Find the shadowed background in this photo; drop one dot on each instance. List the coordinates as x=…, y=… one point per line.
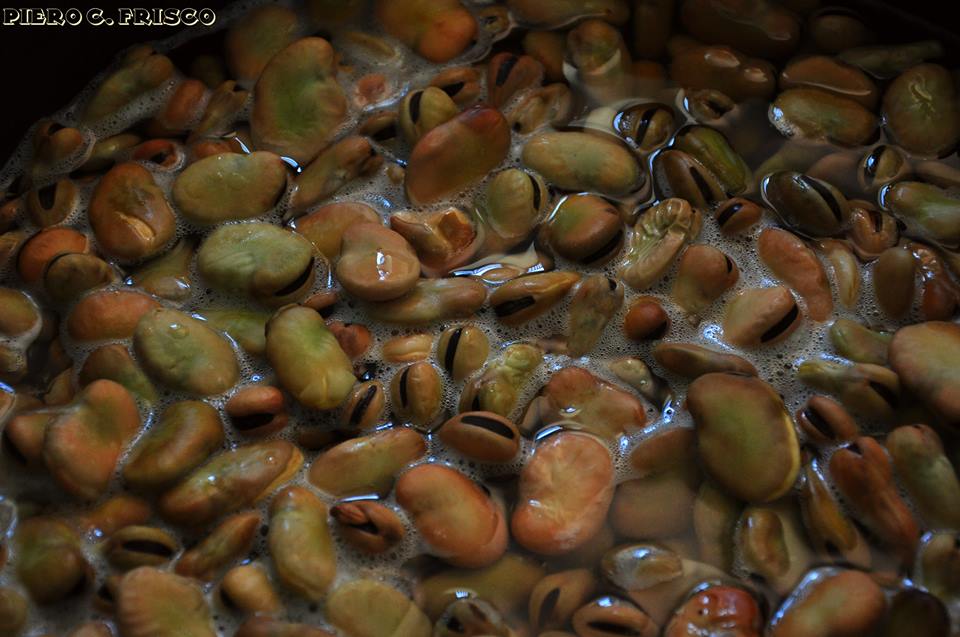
x=45, y=66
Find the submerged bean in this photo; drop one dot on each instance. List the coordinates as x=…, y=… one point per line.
x=583, y=401
x=229, y=187
x=593, y=305
x=369, y=608
x=498, y=387
x=871, y=391
x=658, y=503
x=50, y=562
x=705, y=274
x=760, y=316
x=229, y=540
x=923, y=356
x=184, y=353
x=271, y=264
x=919, y=460
x=921, y=112
x=658, y=236
x=129, y=214
x=462, y=350
x=432, y=300
x=844, y=604
x=185, y=434
x=154, y=603
x=368, y=525
x=82, y=446
x=438, y=31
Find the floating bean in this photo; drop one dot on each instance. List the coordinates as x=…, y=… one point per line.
x=368, y=464
x=657, y=238
x=297, y=102
x=230, y=481
x=300, y=545
x=308, y=360
x=564, y=493
x=456, y=154
x=593, y=305
x=459, y=521
x=368, y=525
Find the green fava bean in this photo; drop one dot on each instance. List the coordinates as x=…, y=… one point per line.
x=928, y=210
x=185, y=435
x=814, y=114
x=142, y=72
x=300, y=543
x=921, y=111
x=368, y=608
x=308, y=359
x=246, y=327
x=712, y=149
x=297, y=103
x=583, y=161
x=154, y=603
x=925, y=356
x=230, y=481
x=184, y=353
x=272, y=264
x=229, y=186
x=919, y=460
x=743, y=417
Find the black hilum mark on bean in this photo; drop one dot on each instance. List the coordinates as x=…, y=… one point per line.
x=885, y=393
x=643, y=125
x=361, y=407
x=612, y=628
x=547, y=605
x=701, y=183
x=47, y=196
x=452, y=89
x=781, y=326
x=251, y=421
x=512, y=307
x=536, y=192
x=403, y=387
x=296, y=284
x=451, y=352
x=415, y=105
x=490, y=424
x=826, y=195
x=818, y=421
x=366, y=527
x=605, y=249
x=149, y=547
x=504, y=71
x=728, y=212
